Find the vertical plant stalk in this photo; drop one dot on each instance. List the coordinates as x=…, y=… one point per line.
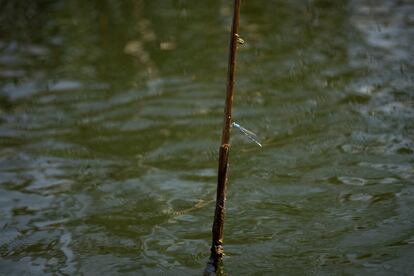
x=218, y=224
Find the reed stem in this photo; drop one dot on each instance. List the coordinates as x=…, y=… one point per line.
x=218, y=224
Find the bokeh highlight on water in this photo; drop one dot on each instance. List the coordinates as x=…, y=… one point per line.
x=110, y=119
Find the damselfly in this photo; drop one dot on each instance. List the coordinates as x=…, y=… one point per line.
x=251, y=135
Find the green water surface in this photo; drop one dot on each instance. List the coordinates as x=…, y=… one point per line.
x=110, y=123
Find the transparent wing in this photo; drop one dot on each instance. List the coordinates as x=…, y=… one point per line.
x=251, y=135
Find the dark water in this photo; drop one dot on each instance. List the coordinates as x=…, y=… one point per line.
x=110, y=121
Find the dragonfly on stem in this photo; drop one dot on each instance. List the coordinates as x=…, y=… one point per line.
x=251, y=135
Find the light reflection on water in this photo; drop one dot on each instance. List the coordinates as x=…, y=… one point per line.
x=110, y=124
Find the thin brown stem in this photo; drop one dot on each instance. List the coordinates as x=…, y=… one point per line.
x=218, y=224
x=225, y=138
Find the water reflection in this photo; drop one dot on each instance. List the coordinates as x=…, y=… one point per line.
x=110, y=119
